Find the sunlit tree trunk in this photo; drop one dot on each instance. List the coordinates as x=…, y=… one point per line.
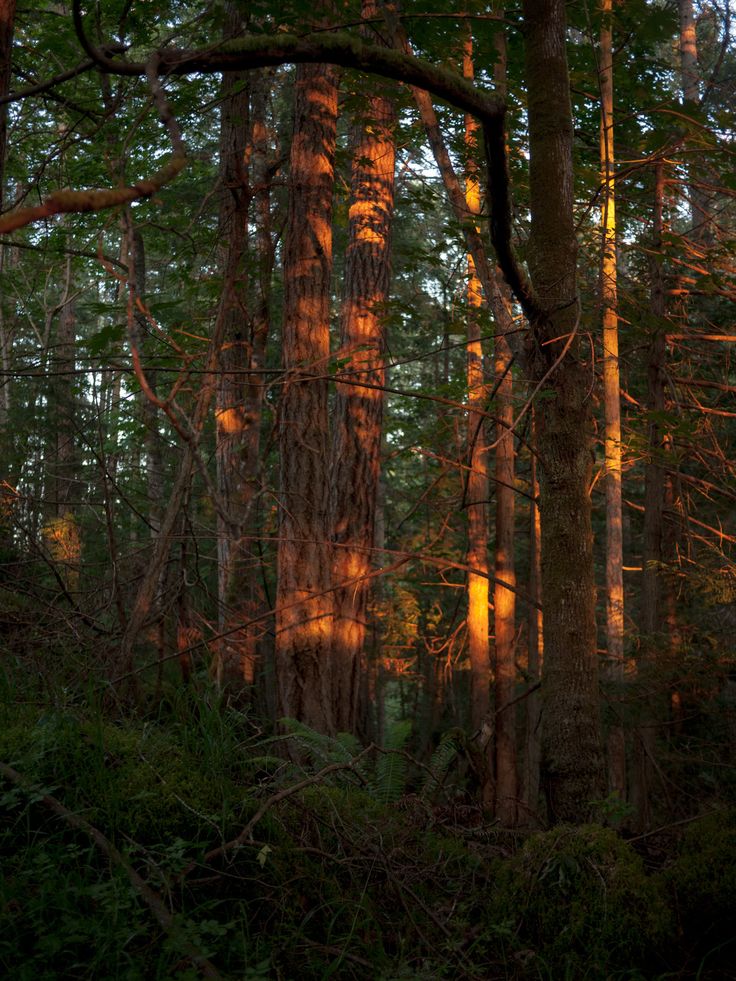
x=612, y=412
x=504, y=599
x=358, y=410
x=477, y=481
x=304, y=602
x=573, y=761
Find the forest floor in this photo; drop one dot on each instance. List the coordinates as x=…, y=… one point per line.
x=179, y=841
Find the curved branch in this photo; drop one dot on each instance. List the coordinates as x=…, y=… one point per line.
x=77, y=202
x=50, y=83
x=347, y=51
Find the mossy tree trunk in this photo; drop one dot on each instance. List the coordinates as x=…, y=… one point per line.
x=573, y=770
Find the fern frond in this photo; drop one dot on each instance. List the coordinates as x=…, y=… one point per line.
x=449, y=748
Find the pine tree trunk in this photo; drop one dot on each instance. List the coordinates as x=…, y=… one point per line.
x=612, y=412
x=573, y=763
x=504, y=600
x=358, y=410
x=240, y=394
x=477, y=493
x=535, y=648
x=304, y=602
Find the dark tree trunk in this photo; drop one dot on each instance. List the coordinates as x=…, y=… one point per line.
x=573, y=761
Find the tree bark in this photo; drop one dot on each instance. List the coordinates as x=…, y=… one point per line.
x=304, y=602
x=477, y=489
x=359, y=411
x=612, y=412
x=504, y=600
x=240, y=394
x=573, y=764
x=535, y=647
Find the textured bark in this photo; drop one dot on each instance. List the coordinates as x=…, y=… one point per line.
x=612, y=411
x=359, y=411
x=504, y=600
x=573, y=764
x=477, y=490
x=304, y=603
x=243, y=169
x=658, y=623
x=535, y=656
x=230, y=422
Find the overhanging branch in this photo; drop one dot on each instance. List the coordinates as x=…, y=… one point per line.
x=344, y=50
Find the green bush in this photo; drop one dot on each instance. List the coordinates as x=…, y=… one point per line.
x=701, y=881
x=579, y=904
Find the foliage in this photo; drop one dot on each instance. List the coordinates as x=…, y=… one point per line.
x=581, y=904
x=702, y=884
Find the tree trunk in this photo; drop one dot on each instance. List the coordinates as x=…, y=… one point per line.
x=573, y=763
x=476, y=493
x=612, y=413
x=359, y=411
x=535, y=647
x=700, y=216
x=240, y=394
x=504, y=600
x=304, y=603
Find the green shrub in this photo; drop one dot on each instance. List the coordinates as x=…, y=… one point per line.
x=579, y=905
x=702, y=884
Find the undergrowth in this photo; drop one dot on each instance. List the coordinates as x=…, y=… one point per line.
x=354, y=863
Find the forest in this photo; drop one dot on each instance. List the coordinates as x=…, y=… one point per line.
x=367, y=489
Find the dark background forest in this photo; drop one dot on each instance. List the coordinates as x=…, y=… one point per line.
x=367, y=482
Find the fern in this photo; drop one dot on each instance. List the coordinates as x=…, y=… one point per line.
x=391, y=766
x=449, y=748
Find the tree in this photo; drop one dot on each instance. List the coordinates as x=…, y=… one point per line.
x=313, y=480
x=359, y=409
x=304, y=601
x=612, y=406
x=572, y=757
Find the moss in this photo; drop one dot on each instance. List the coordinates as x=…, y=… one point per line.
x=579, y=904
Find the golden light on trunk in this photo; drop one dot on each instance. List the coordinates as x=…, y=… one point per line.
x=359, y=410
x=504, y=600
x=476, y=492
x=303, y=598
x=612, y=407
